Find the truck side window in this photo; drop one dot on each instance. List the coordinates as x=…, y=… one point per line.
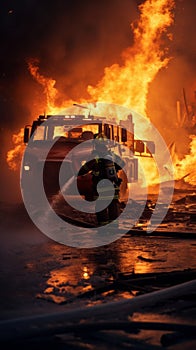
x=39, y=133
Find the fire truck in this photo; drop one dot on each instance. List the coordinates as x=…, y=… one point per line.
x=60, y=134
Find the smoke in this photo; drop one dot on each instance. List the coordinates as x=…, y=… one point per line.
x=73, y=41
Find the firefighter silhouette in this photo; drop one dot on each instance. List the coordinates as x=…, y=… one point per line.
x=104, y=168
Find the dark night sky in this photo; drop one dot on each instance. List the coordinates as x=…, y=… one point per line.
x=74, y=40
x=66, y=36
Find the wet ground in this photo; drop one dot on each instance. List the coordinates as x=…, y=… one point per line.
x=42, y=277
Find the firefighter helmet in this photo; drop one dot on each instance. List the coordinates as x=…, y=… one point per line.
x=101, y=137
x=101, y=141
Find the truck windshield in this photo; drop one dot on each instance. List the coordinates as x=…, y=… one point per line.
x=51, y=132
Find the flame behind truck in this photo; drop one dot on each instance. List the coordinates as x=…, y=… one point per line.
x=61, y=134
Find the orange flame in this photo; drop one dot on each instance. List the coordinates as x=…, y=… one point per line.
x=48, y=84
x=49, y=90
x=128, y=84
x=125, y=85
x=52, y=95
x=14, y=155
x=186, y=166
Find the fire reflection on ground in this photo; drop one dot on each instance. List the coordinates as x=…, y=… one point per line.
x=90, y=275
x=67, y=282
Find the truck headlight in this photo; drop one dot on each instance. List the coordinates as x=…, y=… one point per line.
x=26, y=167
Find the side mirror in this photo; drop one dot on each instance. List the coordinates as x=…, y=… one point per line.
x=139, y=146
x=26, y=134
x=123, y=135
